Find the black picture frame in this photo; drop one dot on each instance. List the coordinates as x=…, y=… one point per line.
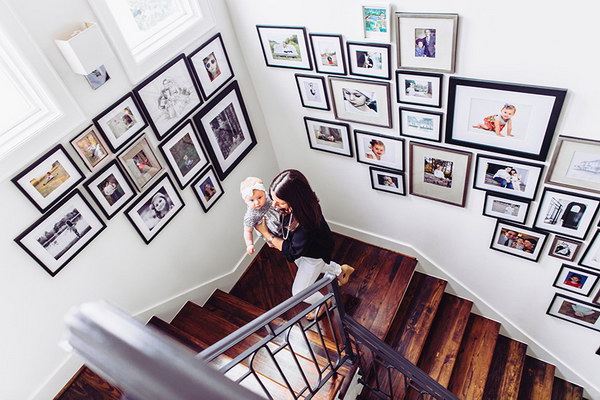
x=286, y=55
x=425, y=92
x=566, y=272
x=486, y=168
x=311, y=100
x=397, y=160
x=121, y=186
x=555, y=309
x=493, y=203
x=361, y=61
x=389, y=185
x=207, y=176
x=522, y=232
x=591, y=256
x=316, y=141
x=325, y=67
x=208, y=83
x=411, y=129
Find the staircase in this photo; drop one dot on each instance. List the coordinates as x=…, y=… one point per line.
x=409, y=310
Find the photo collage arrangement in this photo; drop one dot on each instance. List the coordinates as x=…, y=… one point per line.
x=188, y=116
x=512, y=124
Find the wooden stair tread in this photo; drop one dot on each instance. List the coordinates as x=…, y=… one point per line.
x=537, y=380
x=563, y=390
x=505, y=373
x=87, y=385
x=172, y=331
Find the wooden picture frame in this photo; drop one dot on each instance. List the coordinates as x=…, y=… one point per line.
x=91, y=148
x=564, y=248
x=575, y=164
x=140, y=162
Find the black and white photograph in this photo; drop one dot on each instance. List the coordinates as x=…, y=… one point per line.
x=505, y=207
x=312, y=90
x=369, y=59
x=328, y=53
x=518, y=240
x=210, y=65
x=507, y=176
x=388, y=181
x=328, y=136
x=421, y=124
x=358, y=100
x=110, y=189
x=207, y=189
x=379, y=150
x=121, y=122
x=576, y=164
x=422, y=88
x=564, y=248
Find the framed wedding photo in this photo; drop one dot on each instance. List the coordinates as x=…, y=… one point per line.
x=421, y=124
x=591, y=257
x=379, y=150
x=207, y=189
x=110, y=189
x=312, y=91
x=426, y=41
x=422, y=88
x=370, y=59
x=284, y=46
x=140, y=162
x=121, y=122
x=576, y=164
x=90, y=146
x=506, y=118
x=364, y=101
x=376, y=21
x=328, y=53
x=388, y=181
x=575, y=311
x=509, y=177
x=518, y=240
x=565, y=249
x=576, y=280
x=210, y=66
x=504, y=207
x=328, y=136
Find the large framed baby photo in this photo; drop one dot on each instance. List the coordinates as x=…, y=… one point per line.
x=312, y=91
x=518, y=240
x=576, y=280
x=575, y=311
x=370, y=59
x=422, y=88
x=328, y=52
x=110, y=189
x=379, y=150
x=591, y=257
x=285, y=46
x=121, y=122
x=575, y=164
x=210, y=66
x=507, y=118
x=328, y=136
x=509, y=177
x=364, y=101
x=207, y=189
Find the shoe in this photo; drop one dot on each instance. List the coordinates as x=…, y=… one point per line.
x=311, y=315
x=344, y=277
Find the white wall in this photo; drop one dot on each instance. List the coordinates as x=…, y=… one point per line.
x=511, y=41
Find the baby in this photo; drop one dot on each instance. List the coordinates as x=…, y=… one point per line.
x=497, y=122
x=259, y=206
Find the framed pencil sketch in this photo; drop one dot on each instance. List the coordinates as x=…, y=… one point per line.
x=312, y=91
x=121, y=122
x=207, y=189
x=328, y=53
x=140, y=162
x=563, y=248
x=426, y=41
x=284, y=46
x=567, y=214
x=90, y=146
x=576, y=280
x=506, y=118
x=518, y=240
x=210, y=66
x=62, y=233
x=168, y=96
x=421, y=124
x=422, y=88
x=576, y=164
x=364, y=101
x=370, y=59
x=504, y=207
x=183, y=154
x=439, y=174
x=575, y=311
x=155, y=208
x=328, y=136
x=110, y=189
x=388, y=181
x=225, y=129
x=591, y=257
x=376, y=21
x=506, y=176
x=379, y=150
x=49, y=178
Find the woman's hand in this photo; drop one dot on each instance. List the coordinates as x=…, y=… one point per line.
x=276, y=243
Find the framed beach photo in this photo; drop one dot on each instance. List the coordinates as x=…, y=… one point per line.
x=509, y=177
x=576, y=164
x=422, y=88
x=210, y=66
x=421, y=124
x=370, y=59
x=328, y=53
x=207, y=189
x=376, y=21
x=576, y=280
x=382, y=151
x=121, y=122
x=328, y=136
x=225, y=129
x=591, y=257
x=49, y=178
x=284, y=46
x=388, y=181
x=426, y=41
x=506, y=118
x=439, y=174
x=62, y=233
x=518, y=240
x=575, y=311
x=312, y=91
x=184, y=154
x=364, y=101
x=564, y=248
x=90, y=146
x=140, y=162
x=110, y=189
x=509, y=208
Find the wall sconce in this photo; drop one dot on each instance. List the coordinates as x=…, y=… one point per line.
x=84, y=50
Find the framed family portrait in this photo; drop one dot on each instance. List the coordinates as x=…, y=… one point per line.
x=168, y=96
x=576, y=280
x=328, y=136
x=567, y=214
x=382, y=151
x=364, y=101
x=376, y=21
x=575, y=311
x=421, y=124
x=328, y=53
x=427, y=41
x=210, y=66
x=370, y=59
x=225, y=129
x=388, y=181
x=284, y=46
x=140, y=162
x=564, y=248
x=62, y=233
x=507, y=118
x=518, y=240
x=110, y=189
x=121, y=122
x=312, y=91
x=49, y=178
x=504, y=207
x=207, y=189
x=509, y=177
x=591, y=257
x=90, y=146
x=576, y=164
x=423, y=88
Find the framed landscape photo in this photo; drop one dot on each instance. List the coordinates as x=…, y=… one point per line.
x=312, y=91
x=379, y=150
x=421, y=124
x=140, y=162
x=328, y=53
x=439, y=174
x=518, y=240
x=90, y=146
x=210, y=66
x=506, y=118
x=207, y=189
x=576, y=280
x=564, y=248
x=328, y=136
x=504, y=207
x=510, y=177
x=225, y=129
x=376, y=21
x=388, y=181
x=284, y=46
x=121, y=122
x=591, y=257
x=49, y=178
x=423, y=88
x=576, y=164
x=364, y=101
x=575, y=311
x=59, y=235
x=426, y=41
x=370, y=59
x=110, y=189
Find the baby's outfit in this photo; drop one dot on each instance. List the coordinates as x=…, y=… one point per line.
x=489, y=122
x=272, y=217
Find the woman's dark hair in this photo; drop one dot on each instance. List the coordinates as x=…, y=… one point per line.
x=292, y=187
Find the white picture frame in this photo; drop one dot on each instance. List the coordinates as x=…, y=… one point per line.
x=376, y=21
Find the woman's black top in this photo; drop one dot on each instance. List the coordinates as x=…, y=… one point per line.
x=313, y=243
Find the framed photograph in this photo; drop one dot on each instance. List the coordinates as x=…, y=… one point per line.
x=90, y=146
x=121, y=122
x=168, y=96
x=591, y=257
x=507, y=118
x=140, y=162
x=370, y=59
x=284, y=46
x=356, y=100
x=328, y=52
x=210, y=66
x=312, y=91
x=183, y=154
x=423, y=88
x=504, y=207
x=379, y=150
x=576, y=280
x=49, y=178
x=576, y=164
x=225, y=129
x=59, y=235
x=596, y=301
x=332, y=137
x=565, y=249
x=388, y=181
x=426, y=41
x=575, y=311
x=376, y=21
x=155, y=208
x=420, y=124
x=110, y=189
x=567, y=214
x=439, y=174
x=518, y=240
x=207, y=189
x=510, y=177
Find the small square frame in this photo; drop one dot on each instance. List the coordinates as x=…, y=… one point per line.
x=313, y=91
x=207, y=197
x=140, y=162
x=116, y=192
x=375, y=21
x=564, y=248
x=422, y=88
x=328, y=53
x=587, y=280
